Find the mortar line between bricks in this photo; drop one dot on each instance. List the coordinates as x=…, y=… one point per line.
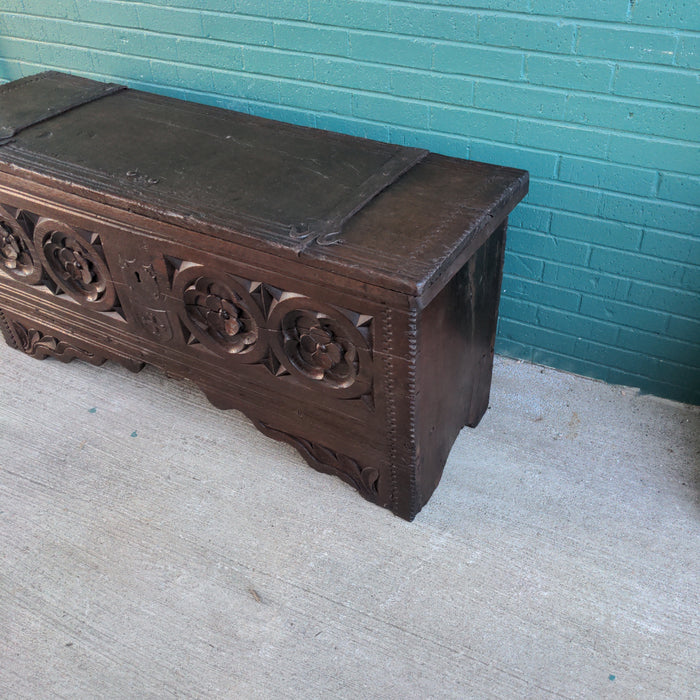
x=597, y=188
x=640, y=242
x=553, y=89
x=546, y=122
x=608, y=141
x=611, y=275
x=612, y=325
x=599, y=344
x=667, y=327
x=602, y=246
x=600, y=129
x=534, y=87
x=352, y=91
x=268, y=47
x=665, y=315
x=599, y=219
x=363, y=32
x=596, y=271
x=534, y=16
x=591, y=159
x=531, y=16
x=675, y=51
x=574, y=39
x=251, y=102
x=633, y=376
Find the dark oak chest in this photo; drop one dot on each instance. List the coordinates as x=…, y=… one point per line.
x=341, y=292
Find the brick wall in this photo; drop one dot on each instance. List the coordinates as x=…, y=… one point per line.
x=599, y=100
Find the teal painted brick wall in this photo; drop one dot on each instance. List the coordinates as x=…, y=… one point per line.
x=598, y=100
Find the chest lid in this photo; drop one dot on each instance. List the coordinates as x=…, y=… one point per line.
x=381, y=213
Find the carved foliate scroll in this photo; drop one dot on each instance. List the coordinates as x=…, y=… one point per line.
x=364, y=479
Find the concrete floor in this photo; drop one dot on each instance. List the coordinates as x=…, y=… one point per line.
x=154, y=547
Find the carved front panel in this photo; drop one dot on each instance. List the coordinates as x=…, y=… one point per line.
x=211, y=311
x=197, y=305
x=222, y=326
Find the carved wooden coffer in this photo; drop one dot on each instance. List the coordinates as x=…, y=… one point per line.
x=343, y=293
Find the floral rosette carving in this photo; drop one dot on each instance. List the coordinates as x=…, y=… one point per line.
x=75, y=264
x=220, y=313
x=319, y=348
x=319, y=343
x=17, y=254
